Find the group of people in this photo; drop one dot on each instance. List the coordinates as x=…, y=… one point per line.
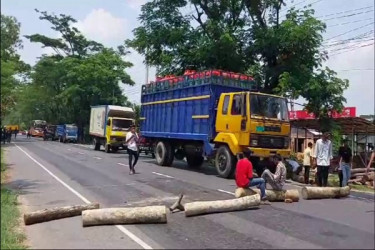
x=319, y=158
x=6, y=135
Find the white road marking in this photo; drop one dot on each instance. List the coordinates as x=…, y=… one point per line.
x=223, y=191
x=163, y=175
x=120, y=227
x=69, y=149
x=122, y=164
x=81, y=153
x=97, y=158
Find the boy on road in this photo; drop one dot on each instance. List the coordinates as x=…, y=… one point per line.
x=322, y=158
x=131, y=140
x=276, y=180
x=244, y=175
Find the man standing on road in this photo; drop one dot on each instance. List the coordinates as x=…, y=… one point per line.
x=323, y=156
x=372, y=159
x=131, y=141
x=307, y=160
x=276, y=180
x=345, y=162
x=244, y=175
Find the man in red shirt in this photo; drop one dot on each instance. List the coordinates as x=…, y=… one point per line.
x=244, y=175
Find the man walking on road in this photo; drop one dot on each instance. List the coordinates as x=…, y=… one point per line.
x=323, y=156
x=307, y=160
x=345, y=162
x=131, y=141
x=276, y=180
x=244, y=175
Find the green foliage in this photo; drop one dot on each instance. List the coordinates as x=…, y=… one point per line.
x=80, y=73
x=246, y=36
x=11, y=65
x=11, y=238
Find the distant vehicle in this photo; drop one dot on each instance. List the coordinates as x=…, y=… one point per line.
x=37, y=128
x=109, y=125
x=51, y=133
x=145, y=146
x=67, y=133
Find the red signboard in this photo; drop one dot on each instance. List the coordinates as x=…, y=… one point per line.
x=303, y=114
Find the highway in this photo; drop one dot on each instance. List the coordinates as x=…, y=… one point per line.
x=49, y=174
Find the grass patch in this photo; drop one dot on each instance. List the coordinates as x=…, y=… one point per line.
x=10, y=237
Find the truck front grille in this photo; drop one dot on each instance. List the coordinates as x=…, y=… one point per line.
x=271, y=142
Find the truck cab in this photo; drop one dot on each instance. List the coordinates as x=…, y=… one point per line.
x=116, y=130
x=254, y=120
x=67, y=133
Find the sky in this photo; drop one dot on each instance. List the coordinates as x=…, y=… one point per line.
x=112, y=21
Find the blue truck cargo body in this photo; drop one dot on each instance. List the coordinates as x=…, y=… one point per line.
x=67, y=132
x=184, y=113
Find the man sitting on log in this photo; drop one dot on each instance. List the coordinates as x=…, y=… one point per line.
x=244, y=175
x=276, y=180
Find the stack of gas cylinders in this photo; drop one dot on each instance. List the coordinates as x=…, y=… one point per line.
x=192, y=78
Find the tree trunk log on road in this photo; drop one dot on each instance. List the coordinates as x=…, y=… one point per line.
x=272, y=195
x=207, y=207
x=325, y=192
x=361, y=170
x=57, y=213
x=134, y=215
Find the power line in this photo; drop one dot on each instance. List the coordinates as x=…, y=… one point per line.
x=357, y=21
x=365, y=45
x=350, y=15
x=350, y=31
x=354, y=69
x=342, y=12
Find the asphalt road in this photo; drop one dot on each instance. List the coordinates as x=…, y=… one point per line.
x=50, y=174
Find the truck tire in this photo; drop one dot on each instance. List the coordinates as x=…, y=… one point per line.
x=96, y=145
x=114, y=149
x=179, y=154
x=163, y=153
x=194, y=161
x=225, y=162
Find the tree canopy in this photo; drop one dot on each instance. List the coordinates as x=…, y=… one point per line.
x=279, y=47
x=79, y=73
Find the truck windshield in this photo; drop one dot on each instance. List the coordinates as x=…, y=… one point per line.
x=268, y=107
x=71, y=128
x=121, y=125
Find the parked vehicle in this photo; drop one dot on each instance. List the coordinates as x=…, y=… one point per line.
x=37, y=128
x=109, y=125
x=67, y=133
x=51, y=133
x=214, y=114
x=145, y=146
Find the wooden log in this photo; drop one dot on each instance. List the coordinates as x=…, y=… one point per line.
x=272, y=195
x=219, y=206
x=56, y=213
x=128, y=215
x=353, y=176
x=361, y=170
x=324, y=192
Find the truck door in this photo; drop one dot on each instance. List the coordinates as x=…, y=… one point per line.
x=238, y=117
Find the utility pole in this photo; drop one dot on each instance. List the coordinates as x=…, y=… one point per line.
x=146, y=66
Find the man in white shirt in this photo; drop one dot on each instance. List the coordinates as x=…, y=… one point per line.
x=322, y=158
x=307, y=155
x=131, y=140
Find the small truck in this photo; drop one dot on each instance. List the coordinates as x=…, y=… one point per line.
x=109, y=125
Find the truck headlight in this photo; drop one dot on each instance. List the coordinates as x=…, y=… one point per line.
x=286, y=142
x=254, y=142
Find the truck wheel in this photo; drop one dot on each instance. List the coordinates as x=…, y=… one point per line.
x=194, y=161
x=96, y=145
x=114, y=149
x=179, y=154
x=225, y=162
x=163, y=153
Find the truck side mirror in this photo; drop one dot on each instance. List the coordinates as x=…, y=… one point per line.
x=109, y=122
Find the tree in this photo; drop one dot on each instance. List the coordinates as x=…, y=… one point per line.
x=79, y=74
x=245, y=36
x=11, y=65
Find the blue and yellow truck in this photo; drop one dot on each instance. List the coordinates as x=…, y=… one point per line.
x=213, y=114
